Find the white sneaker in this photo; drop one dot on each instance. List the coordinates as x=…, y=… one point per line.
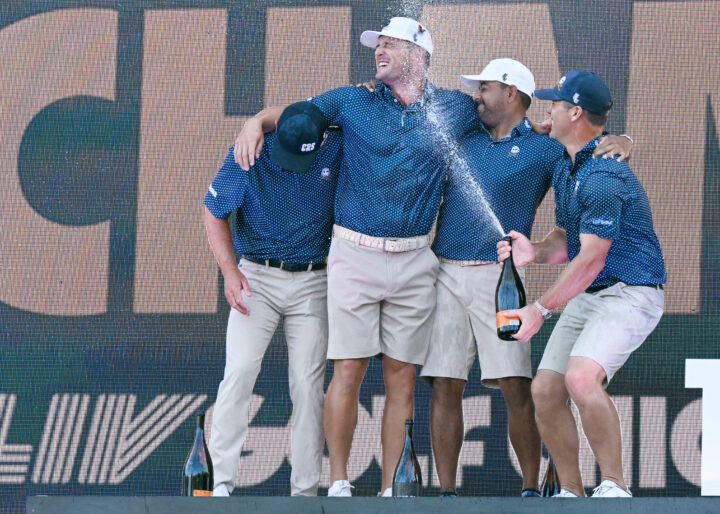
x=221, y=490
x=564, y=493
x=609, y=489
x=387, y=492
x=340, y=488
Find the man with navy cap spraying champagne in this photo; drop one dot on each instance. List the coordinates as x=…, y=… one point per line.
x=613, y=284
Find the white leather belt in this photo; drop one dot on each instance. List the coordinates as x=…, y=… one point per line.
x=465, y=263
x=387, y=244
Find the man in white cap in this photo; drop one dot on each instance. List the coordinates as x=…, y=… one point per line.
x=381, y=270
x=513, y=166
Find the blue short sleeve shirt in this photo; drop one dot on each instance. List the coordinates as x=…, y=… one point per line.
x=280, y=215
x=395, y=157
x=603, y=197
x=511, y=174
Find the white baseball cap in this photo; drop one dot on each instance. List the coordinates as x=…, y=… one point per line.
x=507, y=71
x=406, y=29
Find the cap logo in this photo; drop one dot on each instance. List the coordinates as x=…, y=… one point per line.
x=561, y=82
x=504, y=77
x=307, y=147
x=576, y=97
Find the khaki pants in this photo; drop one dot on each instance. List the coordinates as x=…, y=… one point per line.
x=606, y=327
x=464, y=327
x=380, y=302
x=301, y=299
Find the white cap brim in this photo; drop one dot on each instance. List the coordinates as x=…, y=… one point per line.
x=370, y=38
x=470, y=81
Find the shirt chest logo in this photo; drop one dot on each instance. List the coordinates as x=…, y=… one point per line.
x=514, y=152
x=325, y=173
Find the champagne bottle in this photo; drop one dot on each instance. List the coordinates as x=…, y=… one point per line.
x=550, y=484
x=407, y=479
x=198, y=470
x=509, y=294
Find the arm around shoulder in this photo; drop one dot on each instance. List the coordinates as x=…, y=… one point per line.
x=249, y=143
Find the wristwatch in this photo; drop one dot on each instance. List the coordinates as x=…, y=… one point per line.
x=546, y=313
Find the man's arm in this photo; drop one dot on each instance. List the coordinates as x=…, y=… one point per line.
x=249, y=142
x=218, y=232
x=575, y=278
x=551, y=250
x=580, y=273
x=610, y=145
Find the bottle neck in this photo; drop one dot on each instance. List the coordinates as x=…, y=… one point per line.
x=200, y=422
x=408, y=429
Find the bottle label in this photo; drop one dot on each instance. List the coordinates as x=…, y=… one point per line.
x=504, y=321
x=202, y=492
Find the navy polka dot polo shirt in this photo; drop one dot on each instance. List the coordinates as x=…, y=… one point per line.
x=603, y=197
x=513, y=174
x=280, y=214
x=395, y=157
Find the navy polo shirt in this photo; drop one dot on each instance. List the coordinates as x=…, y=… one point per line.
x=513, y=174
x=394, y=157
x=280, y=214
x=603, y=197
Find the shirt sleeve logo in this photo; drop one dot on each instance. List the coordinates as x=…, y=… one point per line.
x=600, y=221
x=212, y=191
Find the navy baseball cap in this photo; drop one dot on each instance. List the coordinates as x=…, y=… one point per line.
x=300, y=132
x=582, y=88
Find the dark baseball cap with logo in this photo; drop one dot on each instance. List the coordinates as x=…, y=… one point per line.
x=582, y=88
x=300, y=132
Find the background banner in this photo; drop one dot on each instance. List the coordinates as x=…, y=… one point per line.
x=116, y=115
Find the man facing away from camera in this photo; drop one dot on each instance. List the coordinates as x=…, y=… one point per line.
x=283, y=223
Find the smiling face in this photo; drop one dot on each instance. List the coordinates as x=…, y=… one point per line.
x=397, y=61
x=491, y=99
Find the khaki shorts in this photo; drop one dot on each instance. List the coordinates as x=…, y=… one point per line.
x=606, y=327
x=465, y=325
x=380, y=302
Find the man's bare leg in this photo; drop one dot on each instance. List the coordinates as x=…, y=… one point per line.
x=399, y=400
x=584, y=378
x=341, y=411
x=447, y=429
x=557, y=427
x=524, y=435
